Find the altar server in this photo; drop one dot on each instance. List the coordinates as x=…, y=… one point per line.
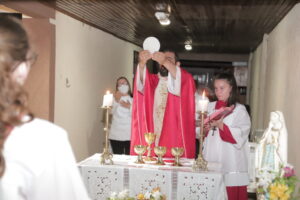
x=227, y=139
x=36, y=159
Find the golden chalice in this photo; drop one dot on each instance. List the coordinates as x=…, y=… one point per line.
x=139, y=150
x=150, y=138
x=177, y=153
x=160, y=152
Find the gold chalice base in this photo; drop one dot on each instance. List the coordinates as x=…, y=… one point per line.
x=148, y=159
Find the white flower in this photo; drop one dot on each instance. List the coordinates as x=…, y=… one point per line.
x=156, y=195
x=265, y=178
x=124, y=194
x=113, y=195
x=264, y=183
x=147, y=195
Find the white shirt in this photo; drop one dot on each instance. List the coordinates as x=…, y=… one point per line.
x=121, y=121
x=40, y=164
x=233, y=157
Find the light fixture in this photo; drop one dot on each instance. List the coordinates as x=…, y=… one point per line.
x=163, y=18
x=165, y=22
x=188, y=47
x=162, y=13
x=188, y=44
x=239, y=64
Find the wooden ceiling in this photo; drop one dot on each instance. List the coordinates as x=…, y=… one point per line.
x=213, y=26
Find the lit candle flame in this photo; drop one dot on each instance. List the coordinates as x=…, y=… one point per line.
x=203, y=94
x=107, y=92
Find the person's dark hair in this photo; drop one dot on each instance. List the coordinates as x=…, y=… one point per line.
x=232, y=100
x=14, y=48
x=122, y=77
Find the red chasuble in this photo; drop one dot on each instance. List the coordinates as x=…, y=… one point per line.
x=178, y=129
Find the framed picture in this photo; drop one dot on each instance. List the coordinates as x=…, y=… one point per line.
x=241, y=76
x=135, y=61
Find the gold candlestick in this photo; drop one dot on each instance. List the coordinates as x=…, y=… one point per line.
x=106, y=156
x=200, y=164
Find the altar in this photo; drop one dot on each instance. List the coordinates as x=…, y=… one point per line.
x=175, y=182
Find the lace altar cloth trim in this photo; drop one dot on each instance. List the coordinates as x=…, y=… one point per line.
x=194, y=186
x=175, y=182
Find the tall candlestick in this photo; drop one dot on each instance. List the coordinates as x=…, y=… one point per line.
x=107, y=99
x=202, y=103
x=200, y=164
x=106, y=156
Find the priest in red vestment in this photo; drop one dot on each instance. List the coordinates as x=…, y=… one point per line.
x=164, y=104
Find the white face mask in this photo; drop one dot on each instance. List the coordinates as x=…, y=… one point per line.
x=123, y=89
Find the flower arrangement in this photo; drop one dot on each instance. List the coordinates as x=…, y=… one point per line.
x=280, y=186
x=123, y=195
x=155, y=194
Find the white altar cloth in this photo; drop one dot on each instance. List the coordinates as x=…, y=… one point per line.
x=175, y=182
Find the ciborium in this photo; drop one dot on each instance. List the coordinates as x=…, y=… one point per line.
x=160, y=152
x=150, y=138
x=140, y=150
x=177, y=153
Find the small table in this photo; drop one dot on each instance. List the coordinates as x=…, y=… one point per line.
x=175, y=182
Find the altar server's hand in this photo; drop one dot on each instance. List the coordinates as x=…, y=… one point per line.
x=217, y=123
x=207, y=127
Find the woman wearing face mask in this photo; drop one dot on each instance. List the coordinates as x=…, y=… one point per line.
x=227, y=139
x=121, y=121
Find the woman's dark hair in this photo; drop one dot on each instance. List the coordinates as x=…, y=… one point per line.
x=14, y=48
x=122, y=77
x=232, y=100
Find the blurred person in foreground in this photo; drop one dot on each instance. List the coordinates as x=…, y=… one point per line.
x=36, y=159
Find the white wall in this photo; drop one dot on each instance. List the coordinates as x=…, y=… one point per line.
x=91, y=61
x=276, y=68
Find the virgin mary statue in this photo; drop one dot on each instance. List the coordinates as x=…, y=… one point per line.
x=272, y=148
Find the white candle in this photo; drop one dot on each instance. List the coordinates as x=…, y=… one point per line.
x=107, y=99
x=202, y=103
